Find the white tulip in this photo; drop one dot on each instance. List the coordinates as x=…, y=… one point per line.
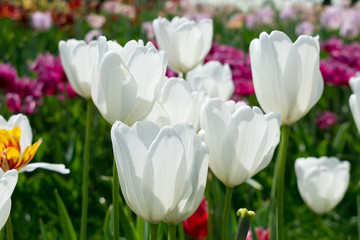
x=286, y=75
x=23, y=151
x=354, y=100
x=78, y=59
x=214, y=77
x=127, y=80
x=177, y=103
x=185, y=42
x=8, y=182
x=241, y=139
x=163, y=172
x=322, y=182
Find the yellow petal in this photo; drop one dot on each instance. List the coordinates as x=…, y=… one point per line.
x=28, y=154
x=8, y=158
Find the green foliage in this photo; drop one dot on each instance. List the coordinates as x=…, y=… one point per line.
x=38, y=214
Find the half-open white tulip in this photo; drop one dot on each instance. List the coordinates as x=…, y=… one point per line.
x=177, y=103
x=8, y=182
x=78, y=59
x=127, y=80
x=286, y=75
x=185, y=41
x=163, y=172
x=241, y=139
x=214, y=77
x=322, y=182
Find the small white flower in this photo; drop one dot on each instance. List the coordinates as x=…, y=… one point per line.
x=214, y=77
x=322, y=182
x=185, y=41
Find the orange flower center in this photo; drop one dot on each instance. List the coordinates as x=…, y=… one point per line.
x=11, y=157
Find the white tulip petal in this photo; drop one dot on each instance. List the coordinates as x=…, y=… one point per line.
x=197, y=181
x=165, y=37
x=354, y=102
x=214, y=118
x=21, y=121
x=66, y=60
x=150, y=62
x=340, y=183
x=113, y=45
x=8, y=182
x=146, y=131
x=206, y=27
x=311, y=82
x=60, y=168
x=129, y=49
x=78, y=59
x=282, y=45
x=214, y=77
x=5, y=212
x=264, y=65
x=177, y=99
x=354, y=83
x=273, y=139
x=167, y=159
x=114, y=75
x=189, y=54
x=130, y=156
x=159, y=115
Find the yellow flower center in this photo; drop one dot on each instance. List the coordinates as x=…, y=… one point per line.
x=10, y=150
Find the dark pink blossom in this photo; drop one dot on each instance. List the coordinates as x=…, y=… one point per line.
x=333, y=45
x=335, y=72
x=24, y=96
x=326, y=120
x=50, y=73
x=8, y=75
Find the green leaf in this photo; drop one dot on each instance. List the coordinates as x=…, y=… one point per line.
x=68, y=229
x=108, y=224
x=126, y=222
x=42, y=228
x=340, y=137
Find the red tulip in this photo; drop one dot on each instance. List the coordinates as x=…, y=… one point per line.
x=196, y=226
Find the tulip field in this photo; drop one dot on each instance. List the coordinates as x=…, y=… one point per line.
x=179, y=119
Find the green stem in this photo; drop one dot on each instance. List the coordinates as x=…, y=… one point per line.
x=210, y=207
x=85, y=184
x=2, y=233
x=358, y=213
x=153, y=231
x=228, y=195
x=285, y=132
x=171, y=232
x=9, y=229
x=181, y=231
x=116, y=202
x=272, y=210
